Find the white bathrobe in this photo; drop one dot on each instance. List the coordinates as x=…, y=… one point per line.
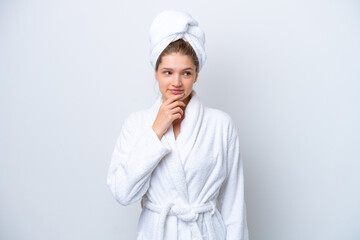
x=190, y=187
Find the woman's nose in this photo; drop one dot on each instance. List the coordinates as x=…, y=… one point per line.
x=176, y=80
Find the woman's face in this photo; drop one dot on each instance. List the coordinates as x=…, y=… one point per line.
x=176, y=72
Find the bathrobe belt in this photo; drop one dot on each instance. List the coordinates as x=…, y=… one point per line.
x=186, y=214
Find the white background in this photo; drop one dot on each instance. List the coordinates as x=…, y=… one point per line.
x=286, y=71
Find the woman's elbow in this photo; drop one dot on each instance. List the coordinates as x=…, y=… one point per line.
x=122, y=192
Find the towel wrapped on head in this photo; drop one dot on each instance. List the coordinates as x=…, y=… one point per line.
x=171, y=25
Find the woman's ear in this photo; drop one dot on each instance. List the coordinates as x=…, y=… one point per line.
x=196, y=76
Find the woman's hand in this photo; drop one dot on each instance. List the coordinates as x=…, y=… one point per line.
x=169, y=111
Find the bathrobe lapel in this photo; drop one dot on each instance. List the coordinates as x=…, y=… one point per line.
x=190, y=127
x=174, y=165
x=182, y=146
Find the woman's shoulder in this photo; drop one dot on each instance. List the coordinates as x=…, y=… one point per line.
x=218, y=115
x=221, y=119
x=138, y=117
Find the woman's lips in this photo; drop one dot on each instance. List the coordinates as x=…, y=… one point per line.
x=173, y=91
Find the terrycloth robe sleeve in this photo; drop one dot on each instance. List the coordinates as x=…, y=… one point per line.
x=135, y=156
x=231, y=195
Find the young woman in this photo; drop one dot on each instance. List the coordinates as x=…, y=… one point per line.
x=179, y=157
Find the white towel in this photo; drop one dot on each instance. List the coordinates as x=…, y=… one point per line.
x=171, y=25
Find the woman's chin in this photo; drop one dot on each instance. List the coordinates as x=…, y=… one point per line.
x=170, y=94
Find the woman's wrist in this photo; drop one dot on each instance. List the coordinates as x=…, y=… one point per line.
x=157, y=132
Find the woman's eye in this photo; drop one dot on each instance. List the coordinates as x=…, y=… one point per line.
x=188, y=73
x=167, y=72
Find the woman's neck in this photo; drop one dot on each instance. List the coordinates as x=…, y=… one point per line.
x=187, y=100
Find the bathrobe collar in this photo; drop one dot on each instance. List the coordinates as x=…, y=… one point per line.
x=185, y=141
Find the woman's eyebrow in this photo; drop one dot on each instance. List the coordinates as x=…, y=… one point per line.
x=167, y=68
